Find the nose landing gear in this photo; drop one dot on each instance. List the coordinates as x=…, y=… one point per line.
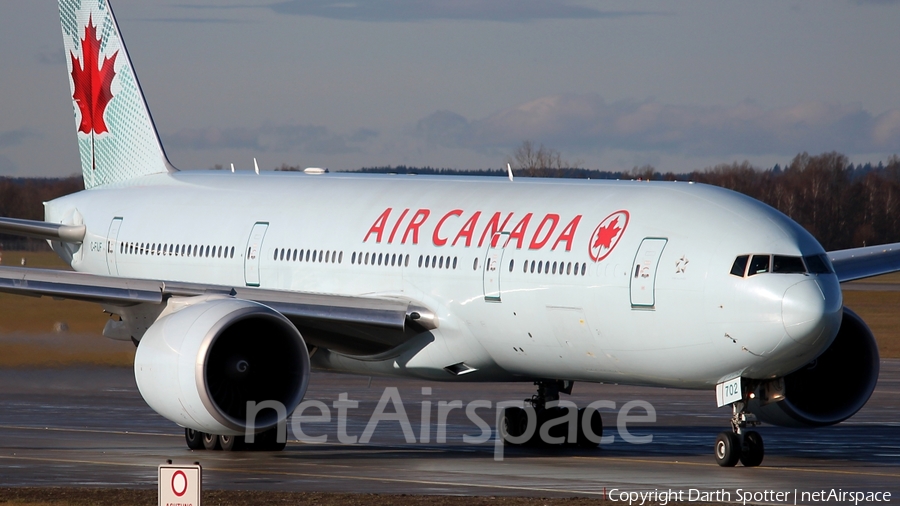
x=740, y=445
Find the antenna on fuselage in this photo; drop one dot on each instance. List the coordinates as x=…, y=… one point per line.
x=255, y=165
x=232, y=168
x=509, y=171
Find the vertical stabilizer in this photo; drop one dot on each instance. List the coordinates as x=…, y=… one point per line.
x=116, y=135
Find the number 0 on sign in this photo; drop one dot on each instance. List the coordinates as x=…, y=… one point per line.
x=179, y=485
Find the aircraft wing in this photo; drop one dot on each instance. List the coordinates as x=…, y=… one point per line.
x=355, y=325
x=858, y=263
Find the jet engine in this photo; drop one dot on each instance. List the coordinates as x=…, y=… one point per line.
x=202, y=365
x=828, y=390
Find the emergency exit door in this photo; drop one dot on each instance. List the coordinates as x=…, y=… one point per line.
x=643, y=272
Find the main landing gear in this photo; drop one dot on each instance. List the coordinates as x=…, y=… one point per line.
x=746, y=446
x=266, y=441
x=543, y=422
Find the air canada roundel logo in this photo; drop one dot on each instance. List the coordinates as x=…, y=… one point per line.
x=607, y=235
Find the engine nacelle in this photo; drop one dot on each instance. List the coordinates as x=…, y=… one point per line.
x=831, y=388
x=200, y=365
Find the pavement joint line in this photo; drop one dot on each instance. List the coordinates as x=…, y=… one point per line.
x=775, y=468
x=315, y=475
x=89, y=431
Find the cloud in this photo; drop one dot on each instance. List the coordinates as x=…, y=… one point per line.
x=588, y=123
x=271, y=137
x=429, y=10
x=16, y=137
x=7, y=166
x=55, y=57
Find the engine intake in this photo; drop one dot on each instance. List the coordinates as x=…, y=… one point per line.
x=201, y=365
x=831, y=388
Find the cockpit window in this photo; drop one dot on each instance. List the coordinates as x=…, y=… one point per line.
x=758, y=265
x=788, y=265
x=739, y=266
x=817, y=264
x=747, y=265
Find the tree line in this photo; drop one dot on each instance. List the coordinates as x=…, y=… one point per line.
x=842, y=205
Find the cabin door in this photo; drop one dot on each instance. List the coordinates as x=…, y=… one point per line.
x=643, y=273
x=492, y=266
x=254, y=253
x=112, y=245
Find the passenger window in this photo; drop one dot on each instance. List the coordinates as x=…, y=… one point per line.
x=474, y=265
x=454, y=262
x=739, y=266
x=788, y=265
x=817, y=264
x=758, y=265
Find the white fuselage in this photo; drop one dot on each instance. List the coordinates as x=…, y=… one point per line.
x=656, y=303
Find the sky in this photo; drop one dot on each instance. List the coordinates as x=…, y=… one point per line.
x=343, y=84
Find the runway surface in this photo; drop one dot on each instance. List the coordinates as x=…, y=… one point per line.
x=90, y=427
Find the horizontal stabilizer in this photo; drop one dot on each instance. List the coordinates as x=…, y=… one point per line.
x=42, y=230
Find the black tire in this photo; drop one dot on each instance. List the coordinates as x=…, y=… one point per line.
x=753, y=450
x=267, y=441
x=194, y=439
x=596, y=426
x=561, y=430
x=210, y=441
x=231, y=443
x=727, y=449
x=514, y=424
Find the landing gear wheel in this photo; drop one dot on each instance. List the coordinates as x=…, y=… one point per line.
x=596, y=427
x=194, y=439
x=210, y=441
x=728, y=449
x=267, y=441
x=515, y=423
x=752, y=451
x=231, y=443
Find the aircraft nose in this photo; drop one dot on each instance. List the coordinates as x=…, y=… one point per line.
x=810, y=311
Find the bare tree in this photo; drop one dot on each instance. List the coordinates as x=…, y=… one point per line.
x=539, y=160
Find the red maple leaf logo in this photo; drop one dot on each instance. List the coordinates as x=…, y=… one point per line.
x=606, y=234
x=92, y=81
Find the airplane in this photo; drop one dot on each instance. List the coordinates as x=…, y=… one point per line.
x=235, y=285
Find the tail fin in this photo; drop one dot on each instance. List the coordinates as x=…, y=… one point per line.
x=116, y=135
